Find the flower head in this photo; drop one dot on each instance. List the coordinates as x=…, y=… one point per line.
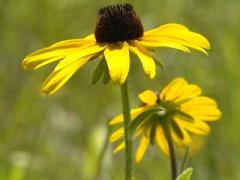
x=118, y=31
x=180, y=106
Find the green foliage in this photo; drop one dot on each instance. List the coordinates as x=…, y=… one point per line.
x=140, y=118
x=99, y=71
x=186, y=175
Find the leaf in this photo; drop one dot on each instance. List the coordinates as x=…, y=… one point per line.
x=152, y=134
x=176, y=129
x=159, y=63
x=139, y=119
x=106, y=76
x=185, y=174
x=98, y=72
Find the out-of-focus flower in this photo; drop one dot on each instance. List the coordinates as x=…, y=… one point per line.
x=179, y=107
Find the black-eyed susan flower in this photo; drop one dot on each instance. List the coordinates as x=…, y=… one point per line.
x=180, y=106
x=118, y=31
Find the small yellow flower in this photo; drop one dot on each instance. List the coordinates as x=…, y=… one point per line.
x=118, y=32
x=186, y=112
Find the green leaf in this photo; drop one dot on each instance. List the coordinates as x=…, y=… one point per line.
x=152, y=134
x=98, y=72
x=106, y=76
x=176, y=129
x=185, y=174
x=139, y=119
x=159, y=63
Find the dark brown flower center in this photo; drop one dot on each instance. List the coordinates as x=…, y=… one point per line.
x=117, y=23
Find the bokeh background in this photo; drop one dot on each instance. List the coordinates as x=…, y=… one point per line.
x=61, y=137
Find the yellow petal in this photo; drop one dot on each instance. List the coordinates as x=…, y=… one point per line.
x=190, y=91
x=200, y=101
x=185, y=140
x=90, y=50
x=145, y=58
x=120, y=147
x=179, y=34
x=207, y=115
x=167, y=27
x=162, y=141
x=116, y=135
x=148, y=97
x=151, y=43
x=160, y=40
x=118, y=61
x=134, y=113
x=53, y=53
x=142, y=147
x=202, y=108
x=173, y=90
x=90, y=37
x=58, y=78
x=196, y=127
x=74, y=43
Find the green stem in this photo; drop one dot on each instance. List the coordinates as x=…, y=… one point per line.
x=173, y=161
x=185, y=160
x=127, y=138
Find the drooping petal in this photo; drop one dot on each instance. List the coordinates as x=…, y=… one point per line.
x=148, y=97
x=116, y=135
x=134, y=113
x=202, y=108
x=119, y=148
x=185, y=140
x=173, y=90
x=145, y=58
x=162, y=141
x=59, y=77
x=178, y=34
x=55, y=52
x=142, y=147
x=91, y=50
x=118, y=61
x=196, y=127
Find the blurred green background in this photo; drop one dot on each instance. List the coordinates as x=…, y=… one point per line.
x=60, y=137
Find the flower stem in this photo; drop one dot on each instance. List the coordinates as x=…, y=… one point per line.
x=127, y=138
x=173, y=161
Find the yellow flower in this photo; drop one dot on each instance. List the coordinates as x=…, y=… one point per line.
x=186, y=112
x=118, y=32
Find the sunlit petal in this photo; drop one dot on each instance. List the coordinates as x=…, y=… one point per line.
x=134, y=113
x=58, y=78
x=178, y=34
x=142, y=147
x=119, y=148
x=196, y=127
x=173, y=90
x=118, y=61
x=145, y=58
x=162, y=141
x=116, y=135
x=55, y=52
x=148, y=97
